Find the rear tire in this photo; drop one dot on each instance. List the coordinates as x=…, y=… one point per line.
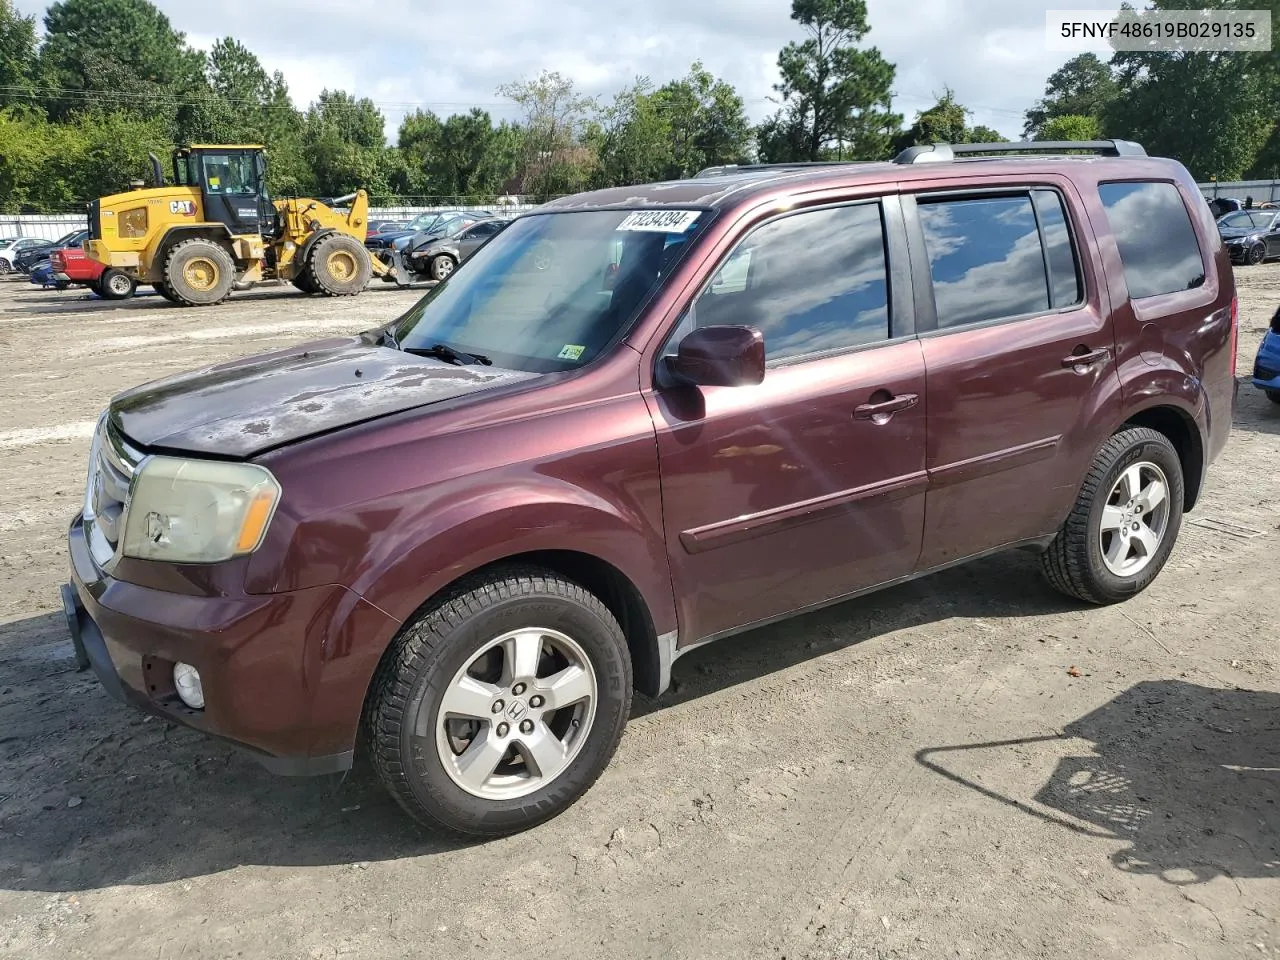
x=162, y=288
x=1118, y=537
x=304, y=282
x=116, y=285
x=497, y=648
x=199, y=273
x=338, y=266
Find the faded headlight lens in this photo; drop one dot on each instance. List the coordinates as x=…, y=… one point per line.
x=198, y=511
x=132, y=223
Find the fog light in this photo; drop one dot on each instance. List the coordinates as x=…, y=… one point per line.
x=186, y=679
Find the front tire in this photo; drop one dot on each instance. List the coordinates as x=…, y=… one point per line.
x=116, y=285
x=338, y=266
x=442, y=266
x=1125, y=521
x=1255, y=255
x=199, y=273
x=499, y=706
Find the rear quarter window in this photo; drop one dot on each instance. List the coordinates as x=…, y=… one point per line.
x=1158, y=245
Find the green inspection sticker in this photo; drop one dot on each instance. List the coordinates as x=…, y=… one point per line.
x=571, y=351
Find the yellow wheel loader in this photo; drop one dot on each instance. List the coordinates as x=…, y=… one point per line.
x=215, y=229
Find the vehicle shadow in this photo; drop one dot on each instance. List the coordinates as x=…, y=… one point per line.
x=73, y=301
x=1188, y=776
x=94, y=794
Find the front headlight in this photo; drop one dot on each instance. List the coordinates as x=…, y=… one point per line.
x=197, y=511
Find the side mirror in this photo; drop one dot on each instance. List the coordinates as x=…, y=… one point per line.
x=720, y=357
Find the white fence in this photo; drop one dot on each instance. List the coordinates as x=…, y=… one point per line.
x=1262, y=191
x=53, y=226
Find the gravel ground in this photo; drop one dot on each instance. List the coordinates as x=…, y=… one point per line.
x=919, y=773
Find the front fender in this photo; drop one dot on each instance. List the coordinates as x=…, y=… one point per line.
x=406, y=571
x=490, y=523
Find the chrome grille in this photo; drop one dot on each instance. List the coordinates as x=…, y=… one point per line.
x=112, y=462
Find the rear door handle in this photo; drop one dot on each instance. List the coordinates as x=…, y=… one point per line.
x=882, y=411
x=1086, y=359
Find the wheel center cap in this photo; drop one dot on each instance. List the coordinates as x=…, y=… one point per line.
x=517, y=710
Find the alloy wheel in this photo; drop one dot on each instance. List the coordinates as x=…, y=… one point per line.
x=1134, y=519
x=516, y=715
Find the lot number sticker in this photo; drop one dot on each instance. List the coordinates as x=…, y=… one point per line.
x=660, y=221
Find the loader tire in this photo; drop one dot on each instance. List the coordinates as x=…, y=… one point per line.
x=162, y=288
x=199, y=273
x=304, y=282
x=338, y=266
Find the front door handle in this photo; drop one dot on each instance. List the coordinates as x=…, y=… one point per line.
x=1086, y=359
x=881, y=412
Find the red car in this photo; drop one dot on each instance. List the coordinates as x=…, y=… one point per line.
x=72, y=265
x=460, y=540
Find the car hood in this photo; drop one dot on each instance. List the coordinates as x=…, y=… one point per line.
x=1232, y=233
x=246, y=407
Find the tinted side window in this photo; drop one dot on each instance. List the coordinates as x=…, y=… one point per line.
x=1153, y=231
x=811, y=282
x=985, y=258
x=1064, y=270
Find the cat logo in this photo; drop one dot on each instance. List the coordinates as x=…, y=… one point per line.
x=185, y=207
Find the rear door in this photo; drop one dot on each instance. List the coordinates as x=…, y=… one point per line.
x=810, y=485
x=1020, y=364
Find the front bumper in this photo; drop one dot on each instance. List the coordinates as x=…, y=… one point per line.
x=1266, y=368
x=257, y=657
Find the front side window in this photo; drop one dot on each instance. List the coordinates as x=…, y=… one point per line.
x=1158, y=246
x=541, y=295
x=232, y=174
x=986, y=258
x=812, y=283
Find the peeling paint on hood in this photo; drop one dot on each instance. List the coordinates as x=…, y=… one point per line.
x=243, y=408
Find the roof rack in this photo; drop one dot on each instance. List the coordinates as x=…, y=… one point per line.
x=797, y=165
x=943, y=152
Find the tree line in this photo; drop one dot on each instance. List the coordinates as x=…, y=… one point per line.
x=111, y=80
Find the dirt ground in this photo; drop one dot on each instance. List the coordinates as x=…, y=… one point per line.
x=915, y=774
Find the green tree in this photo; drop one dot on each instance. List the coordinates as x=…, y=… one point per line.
x=947, y=121
x=17, y=56
x=1083, y=86
x=344, y=142
x=1070, y=127
x=1214, y=112
x=835, y=93
x=555, y=159
x=121, y=52
x=708, y=125
x=633, y=137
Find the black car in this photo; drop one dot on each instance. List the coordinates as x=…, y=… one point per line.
x=422, y=226
x=1251, y=236
x=28, y=258
x=437, y=258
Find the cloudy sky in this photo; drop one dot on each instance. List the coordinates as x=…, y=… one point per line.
x=450, y=56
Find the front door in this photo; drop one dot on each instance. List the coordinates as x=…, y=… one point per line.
x=231, y=189
x=1020, y=365
x=810, y=485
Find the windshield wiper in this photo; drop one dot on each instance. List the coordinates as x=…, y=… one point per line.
x=442, y=351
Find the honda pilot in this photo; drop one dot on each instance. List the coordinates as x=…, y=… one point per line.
x=642, y=419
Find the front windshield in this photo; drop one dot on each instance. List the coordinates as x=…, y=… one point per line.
x=1254, y=219
x=554, y=290
x=66, y=239
x=425, y=221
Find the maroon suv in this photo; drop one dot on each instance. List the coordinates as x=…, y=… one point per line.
x=646, y=418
